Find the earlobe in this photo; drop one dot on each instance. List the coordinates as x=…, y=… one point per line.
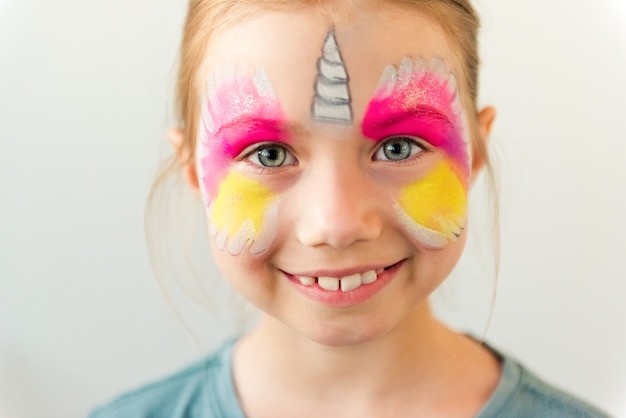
x=485, y=117
x=176, y=137
x=191, y=176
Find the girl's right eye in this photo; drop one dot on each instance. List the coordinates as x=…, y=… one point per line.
x=271, y=156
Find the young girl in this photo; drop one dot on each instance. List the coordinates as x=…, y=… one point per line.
x=333, y=145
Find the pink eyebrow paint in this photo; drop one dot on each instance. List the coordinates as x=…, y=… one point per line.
x=237, y=136
x=419, y=99
x=239, y=110
x=382, y=122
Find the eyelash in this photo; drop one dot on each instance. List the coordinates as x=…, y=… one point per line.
x=414, y=143
x=252, y=153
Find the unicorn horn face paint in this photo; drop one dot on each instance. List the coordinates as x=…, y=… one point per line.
x=238, y=111
x=331, y=103
x=419, y=99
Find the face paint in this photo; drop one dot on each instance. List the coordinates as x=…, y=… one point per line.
x=243, y=214
x=239, y=111
x=331, y=102
x=420, y=99
x=434, y=208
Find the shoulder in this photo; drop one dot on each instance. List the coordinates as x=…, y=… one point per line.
x=522, y=394
x=194, y=392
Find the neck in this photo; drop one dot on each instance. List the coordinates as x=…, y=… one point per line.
x=416, y=351
x=417, y=365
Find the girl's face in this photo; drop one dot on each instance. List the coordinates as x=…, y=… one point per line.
x=334, y=163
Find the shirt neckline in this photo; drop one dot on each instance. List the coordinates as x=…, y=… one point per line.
x=230, y=405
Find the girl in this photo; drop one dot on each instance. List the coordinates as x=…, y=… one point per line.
x=333, y=145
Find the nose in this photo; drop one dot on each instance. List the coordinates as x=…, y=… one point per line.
x=338, y=208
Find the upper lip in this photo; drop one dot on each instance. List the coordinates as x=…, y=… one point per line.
x=342, y=272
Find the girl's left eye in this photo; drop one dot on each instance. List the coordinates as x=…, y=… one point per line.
x=398, y=148
x=271, y=156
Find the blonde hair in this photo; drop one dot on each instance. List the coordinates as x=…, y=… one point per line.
x=205, y=18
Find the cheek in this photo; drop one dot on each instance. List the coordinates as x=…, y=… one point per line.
x=243, y=215
x=434, y=209
x=212, y=166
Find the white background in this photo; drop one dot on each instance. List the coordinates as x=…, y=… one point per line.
x=85, y=93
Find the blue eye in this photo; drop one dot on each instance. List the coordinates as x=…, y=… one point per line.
x=271, y=156
x=397, y=149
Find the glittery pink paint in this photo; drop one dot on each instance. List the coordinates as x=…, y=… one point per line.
x=420, y=105
x=238, y=136
x=240, y=111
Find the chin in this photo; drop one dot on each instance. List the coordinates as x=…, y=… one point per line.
x=343, y=332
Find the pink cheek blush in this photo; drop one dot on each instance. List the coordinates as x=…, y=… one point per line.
x=238, y=111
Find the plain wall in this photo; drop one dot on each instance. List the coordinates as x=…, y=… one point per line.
x=85, y=94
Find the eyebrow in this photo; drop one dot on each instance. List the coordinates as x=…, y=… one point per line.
x=235, y=136
x=381, y=122
x=424, y=122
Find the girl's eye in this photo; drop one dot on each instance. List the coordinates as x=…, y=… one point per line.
x=398, y=149
x=271, y=156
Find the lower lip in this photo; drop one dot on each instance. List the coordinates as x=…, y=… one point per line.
x=346, y=299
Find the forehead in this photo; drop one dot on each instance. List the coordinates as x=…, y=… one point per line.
x=287, y=44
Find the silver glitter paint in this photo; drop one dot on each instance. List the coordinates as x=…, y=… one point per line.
x=331, y=102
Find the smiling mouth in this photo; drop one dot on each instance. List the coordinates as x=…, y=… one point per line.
x=345, y=283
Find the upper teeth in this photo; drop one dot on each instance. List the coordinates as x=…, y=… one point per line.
x=346, y=283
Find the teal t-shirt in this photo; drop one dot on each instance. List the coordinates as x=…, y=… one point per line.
x=206, y=390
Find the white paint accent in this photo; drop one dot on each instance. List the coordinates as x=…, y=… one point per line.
x=221, y=238
x=263, y=83
x=438, y=67
x=452, y=83
x=207, y=120
x=419, y=65
x=424, y=235
x=268, y=233
x=405, y=72
x=457, y=106
x=387, y=81
x=212, y=89
x=242, y=238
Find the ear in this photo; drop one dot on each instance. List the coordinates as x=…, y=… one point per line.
x=176, y=137
x=486, y=117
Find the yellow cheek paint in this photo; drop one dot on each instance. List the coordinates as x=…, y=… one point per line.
x=434, y=209
x=243, y=214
